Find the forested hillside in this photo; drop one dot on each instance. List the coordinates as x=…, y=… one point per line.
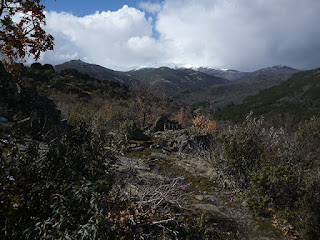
x=291, y=102
x=218, y=97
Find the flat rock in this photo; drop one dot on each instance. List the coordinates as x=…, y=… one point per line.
x=208, y=207
x=3, y=120
x=137, y=149
x=158, y=155
x=199, y=197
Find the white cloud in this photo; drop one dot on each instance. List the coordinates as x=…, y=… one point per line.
x=238, y=34
x=99, y=38
x=150, y=7
x=242, y=34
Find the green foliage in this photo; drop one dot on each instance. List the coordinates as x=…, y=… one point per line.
x=308, y=139
x=242, y=150
x=277, y=172
x=310, y=209
x=80, y=113
x=274, y=186
x=59, y=194
x=199, y=227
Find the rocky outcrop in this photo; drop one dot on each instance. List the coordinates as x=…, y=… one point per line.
x=27, y=111
x=132, y=132
x=163, y=123
x=198, y=142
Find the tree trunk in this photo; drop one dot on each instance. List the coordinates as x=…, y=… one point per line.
x=2, y=2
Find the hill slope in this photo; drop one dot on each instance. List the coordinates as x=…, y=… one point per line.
x=231, y=75
x=95, y=71
x=172, y=81
x=224, y=95
x=290, y=102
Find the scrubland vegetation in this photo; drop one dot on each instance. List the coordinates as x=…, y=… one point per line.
x=68, y=178
x=82, y=158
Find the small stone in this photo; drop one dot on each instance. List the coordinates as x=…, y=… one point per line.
x=3, y=120
x=137, y=149
x=133, y=145
x=158, y=155
x=213, y=198
x=165, y=152
x=199, y=197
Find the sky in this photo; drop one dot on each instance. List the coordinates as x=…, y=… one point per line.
x=245, y=35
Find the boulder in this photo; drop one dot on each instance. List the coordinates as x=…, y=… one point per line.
x=163, y=123
x=31, y=113
x=199, y=142
x=3, y=120
x=132, y=132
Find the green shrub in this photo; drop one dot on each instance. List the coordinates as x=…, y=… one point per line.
x=310, y=210
x=308, y=139
x=60, y=194
x=200, y=227
x=278, y=172
x=242, y=149
x=274, y=186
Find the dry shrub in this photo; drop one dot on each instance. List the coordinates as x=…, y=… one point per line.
x=204, y=124
x=184, y=117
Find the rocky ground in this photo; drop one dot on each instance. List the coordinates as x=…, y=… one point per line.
x=172, y=168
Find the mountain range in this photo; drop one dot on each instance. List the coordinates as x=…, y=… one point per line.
x=170, y=81
x=174, y=82
x=234, y=75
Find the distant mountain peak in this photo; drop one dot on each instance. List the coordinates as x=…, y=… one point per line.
x=276, y=70
x=95, y=71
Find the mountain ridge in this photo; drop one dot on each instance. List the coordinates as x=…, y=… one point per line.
x=175, y=80
x=167, y=79
x=235, y=75
x=95, y=71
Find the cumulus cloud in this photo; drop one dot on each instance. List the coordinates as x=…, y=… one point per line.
x=150, y=7
x=100, y=38
x=239, y=34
